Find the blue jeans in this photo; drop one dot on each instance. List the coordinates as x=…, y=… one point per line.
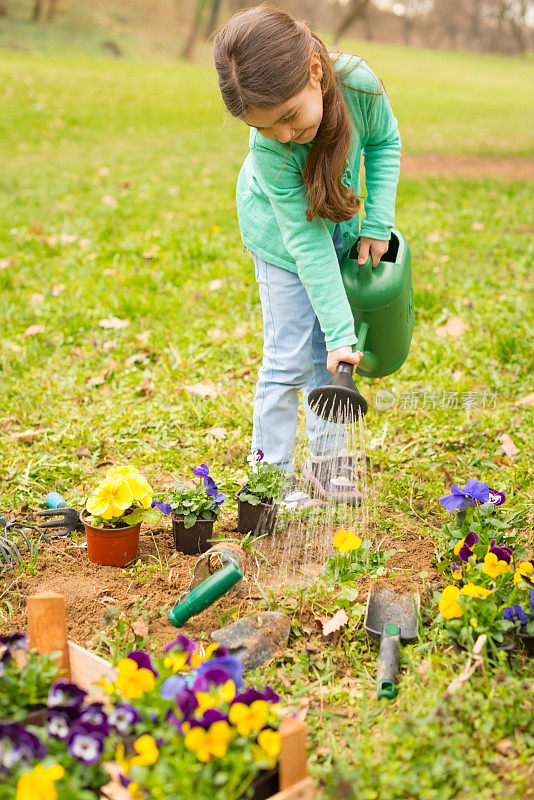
x=294, y=358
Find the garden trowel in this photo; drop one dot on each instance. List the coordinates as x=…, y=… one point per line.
x=256, y=640
x=390, y=617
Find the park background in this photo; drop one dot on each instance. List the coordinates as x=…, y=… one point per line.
x=131, y=327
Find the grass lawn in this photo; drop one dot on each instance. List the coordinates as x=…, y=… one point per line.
x=117, y=201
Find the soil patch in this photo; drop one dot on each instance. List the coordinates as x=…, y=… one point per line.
x=145, y=591
x=466, y=166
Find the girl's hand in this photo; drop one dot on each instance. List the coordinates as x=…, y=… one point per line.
x=342, y=354
x=376, y=246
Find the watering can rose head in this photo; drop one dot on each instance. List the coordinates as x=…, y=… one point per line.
x=123, y=497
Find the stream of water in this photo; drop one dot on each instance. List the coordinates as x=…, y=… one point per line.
x=333, y=456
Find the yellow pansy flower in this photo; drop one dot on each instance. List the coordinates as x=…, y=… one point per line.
x=270, y=742
x=199, y=657
x=39, y=784
x=110, y=499
x=147, y=751
x=140, y=488
x=457, y=574
x=346, y=541
x=213, y=742
x=133, y=681
x=121, y=469
x=249, y=719
x=448, y=604
x=473, y=590
x=493, y=566
x=176, y=661
x=524, y=573
x=219, y=694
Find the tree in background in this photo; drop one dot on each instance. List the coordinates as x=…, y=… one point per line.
x=356, y=10
x=39, y=7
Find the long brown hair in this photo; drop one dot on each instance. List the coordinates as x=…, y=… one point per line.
x=262, y=56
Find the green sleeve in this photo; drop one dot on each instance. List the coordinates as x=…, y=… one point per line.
x=381, y=153
x=308, y=243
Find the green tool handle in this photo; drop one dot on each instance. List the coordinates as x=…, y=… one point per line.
x=205, y=594
x=388, y=662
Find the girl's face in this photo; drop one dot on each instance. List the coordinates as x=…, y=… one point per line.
x=299, y=118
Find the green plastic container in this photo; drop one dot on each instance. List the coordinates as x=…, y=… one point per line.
x=381, y=300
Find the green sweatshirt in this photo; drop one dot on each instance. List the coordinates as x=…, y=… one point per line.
x=271, y=201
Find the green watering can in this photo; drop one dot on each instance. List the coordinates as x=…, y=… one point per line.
x=381, y=300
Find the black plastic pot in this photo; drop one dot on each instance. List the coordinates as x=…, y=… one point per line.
x=265, y=785
x=527, y=641
x=36, y=716
x=257, y=520
x=194, y=540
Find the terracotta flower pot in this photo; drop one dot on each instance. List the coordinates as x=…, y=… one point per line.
x=257, y=520
x=111, y=547
x=194, y=540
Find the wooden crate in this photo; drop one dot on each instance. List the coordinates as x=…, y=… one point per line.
x=48, y=633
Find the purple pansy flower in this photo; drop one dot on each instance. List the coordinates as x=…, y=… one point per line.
x=230, y=665
x=497, y=498
x=59, y=724
x=473, y=492
x=123, y=717
x=16, y=744
x=213, y=676
x=208, y=718
x=142, y=660
x=515, y=613
x=186, y=702
x=15, y=641
x=165, y=508
x=63, y=693
x=170, y=687
x=93, y=718
x=255, y=457
x=466, y=550
x=182, y=643
x=85, y=746
x=250, y=695
x=502, y=553
x=202, y=471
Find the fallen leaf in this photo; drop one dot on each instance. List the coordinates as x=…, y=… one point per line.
x=152, y=252
x=114, y=322
x=435, y=236
x=205, y=389
x=57, y=289
x=507, y=446
x=83, y=452
x=454, y=326
x=67, y=238
x=477, y=226
x=37, y=298
x=110, y=201
x=5, y=263
x=142, y=338
x=25, y=436
x=332, y=624
x=526, y=401
x=33, y=330
x=146, y=388
x=214, y=285
x=215, y=334
x=137, y=357
x=110, y=345
x=140, y=628
x=505, y=747
x=110, y=271
x=219, y=433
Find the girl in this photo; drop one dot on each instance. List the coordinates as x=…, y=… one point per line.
x=311, y=116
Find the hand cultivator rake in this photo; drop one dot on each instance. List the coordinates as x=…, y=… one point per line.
x=9, y=532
